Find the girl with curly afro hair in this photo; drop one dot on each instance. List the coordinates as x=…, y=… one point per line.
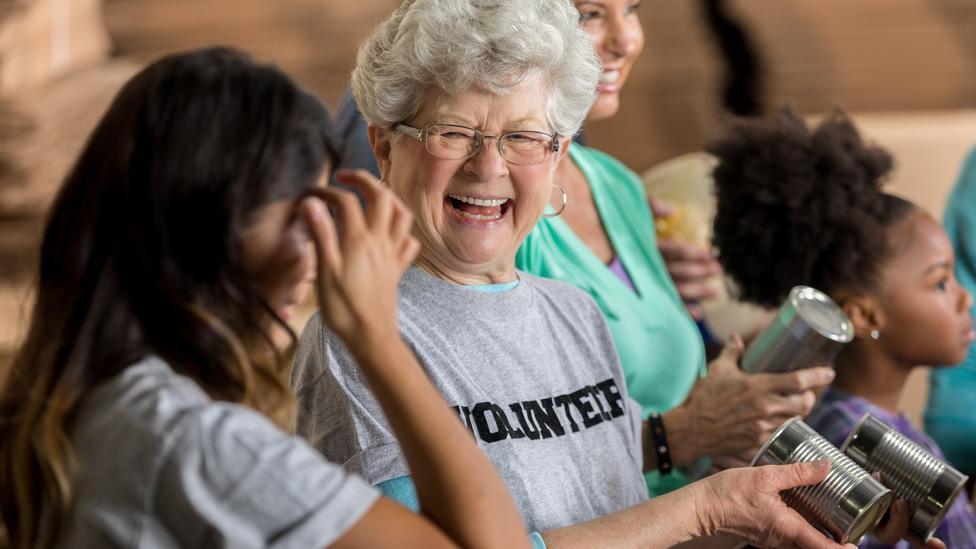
x=806, y=206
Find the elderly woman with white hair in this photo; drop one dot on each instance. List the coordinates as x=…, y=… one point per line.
x=471, y=104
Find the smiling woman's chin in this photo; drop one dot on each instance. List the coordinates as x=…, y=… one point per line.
x=605, y=106
x=480, y=252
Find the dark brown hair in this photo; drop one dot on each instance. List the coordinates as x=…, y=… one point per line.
x=801, y=206
x=142, y=255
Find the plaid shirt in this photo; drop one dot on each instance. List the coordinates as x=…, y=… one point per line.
x=836, y=415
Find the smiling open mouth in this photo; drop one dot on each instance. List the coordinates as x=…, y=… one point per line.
x=479, y=209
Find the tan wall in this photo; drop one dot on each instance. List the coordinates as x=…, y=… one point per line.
x=906, y=67
x=53, y=84
x=42, y=39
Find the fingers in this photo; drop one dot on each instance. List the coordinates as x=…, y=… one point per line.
x=660, y=208
x=695, y=291
x=789, y=476
x=690, y=267
x=379, y=202
x=732, y=351
x=794, y=382
x=361, y=180
x=805, y=536
x=409, y=249
x=674, y=250
x=693, y=269
x=348, y=212
x=401, y=223
x=784, y=407
x=324, y=235
x=896, y=525
x=727, y=362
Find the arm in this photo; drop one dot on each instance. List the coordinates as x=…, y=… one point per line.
x=462, y=499
x=743, y=503
x=402, y=490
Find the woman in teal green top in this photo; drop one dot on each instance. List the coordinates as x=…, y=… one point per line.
x=604, y=243
x=645, y=310
x=951, y=414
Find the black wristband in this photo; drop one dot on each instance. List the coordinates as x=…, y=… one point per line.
x=655, y=427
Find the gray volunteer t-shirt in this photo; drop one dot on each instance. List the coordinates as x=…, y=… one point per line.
x=531, y=371
x=162, y=465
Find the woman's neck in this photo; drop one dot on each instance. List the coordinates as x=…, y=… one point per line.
x=864, y=370
x=440, y=270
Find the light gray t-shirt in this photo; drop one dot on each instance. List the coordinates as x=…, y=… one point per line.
x=531, y=371
x=160, y=465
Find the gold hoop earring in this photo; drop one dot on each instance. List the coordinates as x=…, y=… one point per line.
x=565, y=200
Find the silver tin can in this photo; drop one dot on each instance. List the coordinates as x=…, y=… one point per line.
x=808, y=330
x=847, y=504
x=929, y=484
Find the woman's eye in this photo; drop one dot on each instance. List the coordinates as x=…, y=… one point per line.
x=632, y=9
x=942, y=285
x=588, y=15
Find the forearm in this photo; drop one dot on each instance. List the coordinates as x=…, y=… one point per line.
x=661, y=522
x=681, y=442
x=456, y=484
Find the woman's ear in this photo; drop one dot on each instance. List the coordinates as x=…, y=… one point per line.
x=379, y=140
x=865, y=313
x=563, y=148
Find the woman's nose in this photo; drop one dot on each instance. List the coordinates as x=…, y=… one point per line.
x=623, y=36
x=487, y=164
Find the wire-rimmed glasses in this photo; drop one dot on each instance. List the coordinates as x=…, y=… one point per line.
x=454, y=142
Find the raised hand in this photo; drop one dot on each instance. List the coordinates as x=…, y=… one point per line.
x=360, y=262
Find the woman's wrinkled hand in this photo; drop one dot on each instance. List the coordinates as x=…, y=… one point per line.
x=361, y=256
x=746, y=503
x=731, y=413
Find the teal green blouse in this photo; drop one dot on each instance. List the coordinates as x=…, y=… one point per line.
x=660, y=347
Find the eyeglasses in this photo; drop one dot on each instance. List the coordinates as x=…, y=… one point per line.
x=452, y=142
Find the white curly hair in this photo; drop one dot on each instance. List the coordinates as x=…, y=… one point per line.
x=454, y=45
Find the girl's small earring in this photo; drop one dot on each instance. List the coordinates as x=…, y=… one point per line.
x=875, y=334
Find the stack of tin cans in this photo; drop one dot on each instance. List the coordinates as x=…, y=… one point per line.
x=850, y=502
x=847, y=504
x=927, y=483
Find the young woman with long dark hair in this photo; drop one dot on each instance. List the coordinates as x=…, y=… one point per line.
x=148, y=406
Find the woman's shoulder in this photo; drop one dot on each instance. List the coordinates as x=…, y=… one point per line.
x=604, y=169
x=145, y=395
x=150, y=405
x=210, y=467
x=595, y=155
x=561, y=295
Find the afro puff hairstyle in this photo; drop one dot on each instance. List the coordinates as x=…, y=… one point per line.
x=801, y=206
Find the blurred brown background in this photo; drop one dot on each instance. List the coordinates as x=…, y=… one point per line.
x=906, y=68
